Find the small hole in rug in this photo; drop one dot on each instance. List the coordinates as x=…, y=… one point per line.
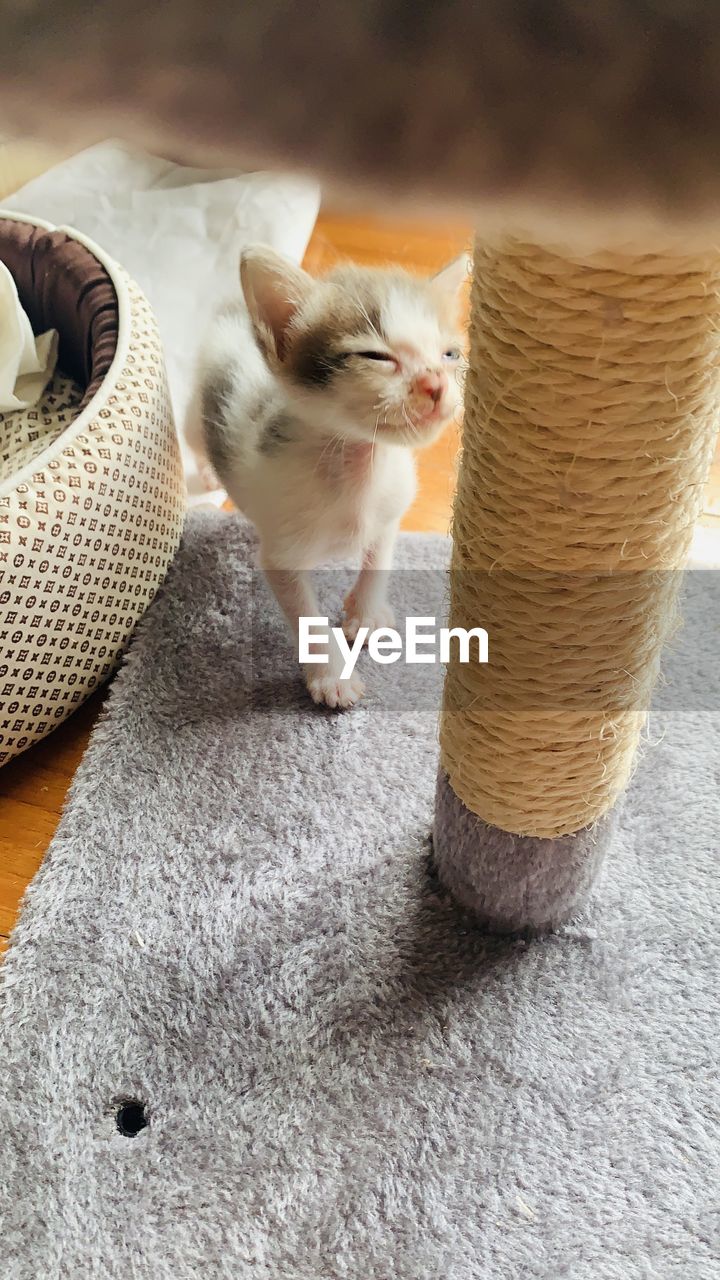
x=130, y=1118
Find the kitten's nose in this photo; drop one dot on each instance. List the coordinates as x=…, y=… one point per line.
x=430, y=384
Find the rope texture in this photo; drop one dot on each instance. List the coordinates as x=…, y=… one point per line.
x=590, y=415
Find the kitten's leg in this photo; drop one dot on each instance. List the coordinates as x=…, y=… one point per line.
x=194, y=435
x=295, y=593
x=367, y=605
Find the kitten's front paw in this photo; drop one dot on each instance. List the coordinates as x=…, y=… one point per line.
x=375, y=617
x=332, y=691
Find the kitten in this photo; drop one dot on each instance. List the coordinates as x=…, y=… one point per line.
x=311, y=395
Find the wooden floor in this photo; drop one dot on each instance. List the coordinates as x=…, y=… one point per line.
x=33, y=788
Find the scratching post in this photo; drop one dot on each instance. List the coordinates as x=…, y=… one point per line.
x=591, y=406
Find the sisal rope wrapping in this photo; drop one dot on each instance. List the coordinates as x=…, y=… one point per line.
x=590, y=415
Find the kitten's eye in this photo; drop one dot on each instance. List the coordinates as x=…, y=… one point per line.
x=452, y=353
x=376, y=355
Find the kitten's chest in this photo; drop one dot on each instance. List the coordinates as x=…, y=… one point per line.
x=370, y=490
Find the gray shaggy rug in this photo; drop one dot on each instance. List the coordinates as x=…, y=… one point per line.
x=246, y=1033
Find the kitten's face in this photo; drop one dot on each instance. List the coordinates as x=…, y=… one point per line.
x=374, y=354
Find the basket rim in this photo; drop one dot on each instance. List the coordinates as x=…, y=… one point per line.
x=120, y=281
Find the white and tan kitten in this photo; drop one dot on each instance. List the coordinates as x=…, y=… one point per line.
x=311, y=396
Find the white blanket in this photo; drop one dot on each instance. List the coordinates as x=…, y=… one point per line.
x=26, y=362
x=178, y=232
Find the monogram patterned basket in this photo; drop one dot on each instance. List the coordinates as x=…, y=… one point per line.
x=92, y=495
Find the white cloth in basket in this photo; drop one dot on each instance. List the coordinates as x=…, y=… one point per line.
x=27, y=363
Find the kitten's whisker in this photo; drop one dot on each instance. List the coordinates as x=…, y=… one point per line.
x=330, y=444
x=372, y=445
x=371, y=326
x=411, y=425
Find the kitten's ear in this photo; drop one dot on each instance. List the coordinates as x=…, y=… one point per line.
x=274, y=290
x=449, y=280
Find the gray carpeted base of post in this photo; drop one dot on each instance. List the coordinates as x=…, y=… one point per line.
x=238, y=937
x=514, y=883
